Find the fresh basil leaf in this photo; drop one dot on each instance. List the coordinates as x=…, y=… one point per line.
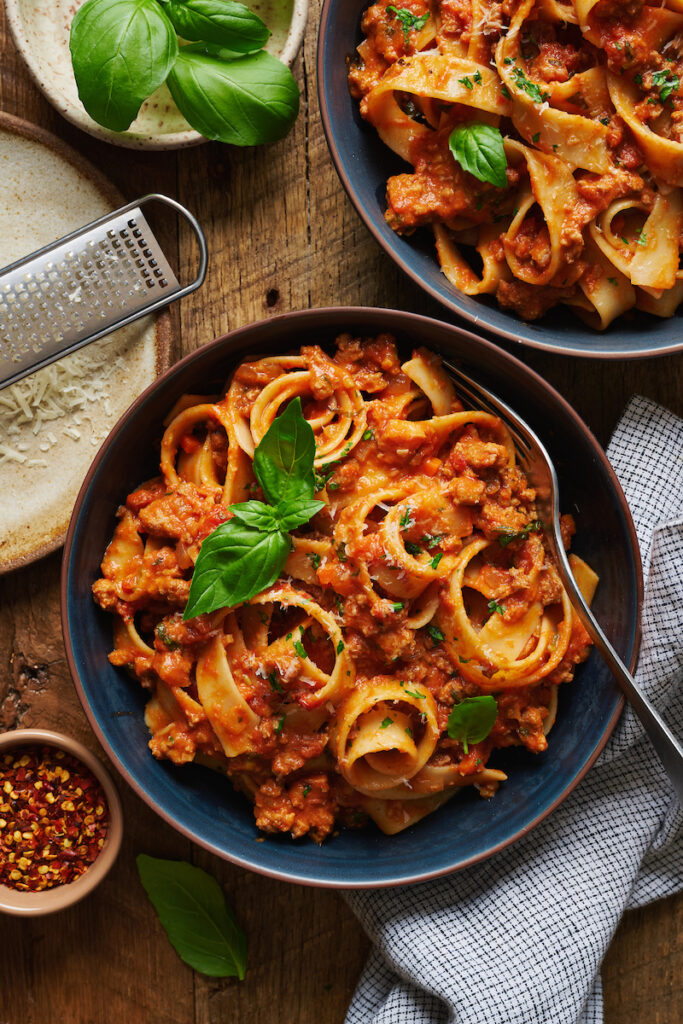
x=218, y=21
x=235, y=562
x=244, y=102
x=194, y=914
x=213, y=50
x=256, y=514
x=296, y=512
x=472, y=719
x=121, y=51
x=283, y=461
x=478, y=148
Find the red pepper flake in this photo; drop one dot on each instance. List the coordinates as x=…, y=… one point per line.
x=53, y=818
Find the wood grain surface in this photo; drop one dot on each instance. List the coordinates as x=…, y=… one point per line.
x=282, y=236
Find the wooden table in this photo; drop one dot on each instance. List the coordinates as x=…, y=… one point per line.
x=282, y=236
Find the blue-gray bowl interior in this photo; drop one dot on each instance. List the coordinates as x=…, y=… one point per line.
x=364, y=163
x=201, y=803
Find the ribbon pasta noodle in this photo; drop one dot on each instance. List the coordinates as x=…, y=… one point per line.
x=422, y=583
x=585, y=97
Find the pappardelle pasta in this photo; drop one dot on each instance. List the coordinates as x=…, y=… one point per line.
x=417, y=623
x=546, y=140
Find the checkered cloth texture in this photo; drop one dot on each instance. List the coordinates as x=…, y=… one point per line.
x=520, y=938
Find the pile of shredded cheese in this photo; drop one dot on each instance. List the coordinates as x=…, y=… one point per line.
x=53, y=402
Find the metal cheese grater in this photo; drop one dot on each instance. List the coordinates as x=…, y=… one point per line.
x=85, y=285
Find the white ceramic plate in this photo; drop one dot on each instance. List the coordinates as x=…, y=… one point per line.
x=40, y=29
x=47, y=443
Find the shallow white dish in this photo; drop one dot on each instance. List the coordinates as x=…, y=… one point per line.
x=53, y=422
x=40, y=29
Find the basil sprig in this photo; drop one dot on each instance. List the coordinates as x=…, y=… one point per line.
x=223, y=83
x=478, y=148
x=244, y=556
x=121, y=51
x=199, y=923
x=472, y=719
x=217, y=21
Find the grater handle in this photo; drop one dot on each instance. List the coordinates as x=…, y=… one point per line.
x=198, y=233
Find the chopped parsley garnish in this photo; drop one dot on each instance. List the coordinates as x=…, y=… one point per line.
x=508, y=60
x=307, y=789
x=397, y=606
x=505, y=91
x=463, y=661
x=386, y=723
x=274, y=685
x=638, y=79
x=436, y=559
x=340, y=647
x=300, y=649
x=666, y=83
x=314, y=559
x=280, y=723
x=414, y=693
x=436, y=634
x=476, y=77
x=494, y=606
x=536, y=137
x=530, y=88
x=333, y=486
x=432, y=541
x=467, y=82
x=339, y=603
x=408, y=20
x=369, y=435
x=412, y=549
x=613, y=280
x=409, y=732
x=507, y=538
x=341, y=552
x=166, y=640
x=642, y=239
x=604, y=120
x=405, y=520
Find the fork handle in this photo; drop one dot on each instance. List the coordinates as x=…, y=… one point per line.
x=669, y=749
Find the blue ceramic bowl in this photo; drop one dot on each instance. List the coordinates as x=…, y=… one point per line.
x=201, y=803
x=364, y=163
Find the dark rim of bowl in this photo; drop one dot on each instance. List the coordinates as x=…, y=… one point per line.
x=479, y=321
x=411, y=322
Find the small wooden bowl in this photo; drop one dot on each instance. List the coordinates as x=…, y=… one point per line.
x=32, y=904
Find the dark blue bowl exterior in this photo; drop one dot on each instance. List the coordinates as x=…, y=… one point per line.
x=201, y=803
x=364, y=163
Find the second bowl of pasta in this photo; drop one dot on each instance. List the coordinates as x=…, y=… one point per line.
x=522, y=165
x=324, y=607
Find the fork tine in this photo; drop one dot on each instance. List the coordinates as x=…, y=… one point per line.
x=478, y=396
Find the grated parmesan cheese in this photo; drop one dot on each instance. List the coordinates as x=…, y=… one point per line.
x=64, y=391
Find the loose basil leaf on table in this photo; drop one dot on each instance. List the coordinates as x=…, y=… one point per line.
x=283, y=461
x=472, y=719
x=244, y=102
x=121, y=51
x=193, y=911
x=218, y=21
x=235, y=562
x=478, y=148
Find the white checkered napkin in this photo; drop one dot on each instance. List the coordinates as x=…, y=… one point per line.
x=519, y=939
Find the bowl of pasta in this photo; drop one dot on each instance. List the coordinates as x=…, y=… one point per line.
x=306, y=600
x=524, y=169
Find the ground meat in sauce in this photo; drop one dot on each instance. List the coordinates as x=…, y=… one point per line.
x=286, y=756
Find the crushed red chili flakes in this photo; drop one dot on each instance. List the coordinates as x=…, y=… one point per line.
x=53, y=818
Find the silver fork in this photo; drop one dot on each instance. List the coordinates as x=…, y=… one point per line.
x=537, y=465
